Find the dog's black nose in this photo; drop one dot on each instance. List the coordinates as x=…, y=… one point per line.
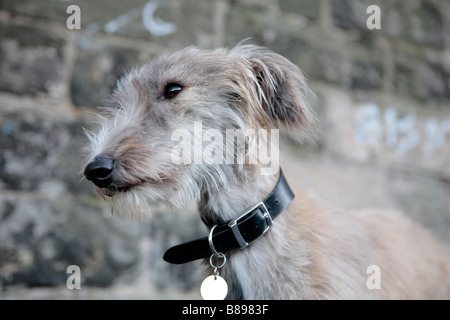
x=99, y=171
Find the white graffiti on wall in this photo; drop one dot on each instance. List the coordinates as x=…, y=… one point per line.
x=154, y=25
x=375, y=128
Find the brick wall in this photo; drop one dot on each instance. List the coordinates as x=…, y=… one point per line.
x=382, y=96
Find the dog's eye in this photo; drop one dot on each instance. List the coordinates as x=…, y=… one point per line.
x=172, y=90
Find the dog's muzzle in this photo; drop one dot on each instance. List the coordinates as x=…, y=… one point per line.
x=100, y=171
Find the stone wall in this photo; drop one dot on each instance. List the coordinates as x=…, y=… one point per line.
x=382, y=96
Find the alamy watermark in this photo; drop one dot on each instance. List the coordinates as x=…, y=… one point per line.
x=74, y=20
x=374, y=20
x=374, y=280
x=158, y=27
x=74, y=280
x=234, y=146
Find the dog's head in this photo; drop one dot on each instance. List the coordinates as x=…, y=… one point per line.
x=185, y=123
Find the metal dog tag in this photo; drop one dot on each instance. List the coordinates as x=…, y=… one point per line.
x=214, y=287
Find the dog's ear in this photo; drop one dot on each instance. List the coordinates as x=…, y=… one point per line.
x=280, y=88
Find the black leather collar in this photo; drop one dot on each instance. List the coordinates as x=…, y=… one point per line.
x=237, y=233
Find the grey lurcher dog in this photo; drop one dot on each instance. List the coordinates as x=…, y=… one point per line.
x=311, y=251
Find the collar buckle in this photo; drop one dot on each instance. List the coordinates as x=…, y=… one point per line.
x=233, y=224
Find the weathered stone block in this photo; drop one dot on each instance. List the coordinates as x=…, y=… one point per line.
x=418, y=21
x=40, y=238
x=350, y=14
x=39, y=151
x=307, y=8
x=422, y=22
x=433, y=83
x=365, y=76
x=30, y=51
x=244, y=22
x=416, y=77
x=53, y=10
x=97, y=69
x=387, y=131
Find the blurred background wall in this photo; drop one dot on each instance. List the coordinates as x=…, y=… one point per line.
x=382, y=96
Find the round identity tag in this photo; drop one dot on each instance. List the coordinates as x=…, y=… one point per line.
x=214, y=287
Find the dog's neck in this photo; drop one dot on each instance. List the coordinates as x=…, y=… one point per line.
x=230, y=203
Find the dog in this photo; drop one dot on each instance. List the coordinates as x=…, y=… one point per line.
x=308, y=250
